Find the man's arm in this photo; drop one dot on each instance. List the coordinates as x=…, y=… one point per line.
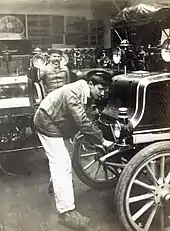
x=77, y=111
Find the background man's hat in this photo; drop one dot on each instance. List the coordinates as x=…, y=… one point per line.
x=52, y=51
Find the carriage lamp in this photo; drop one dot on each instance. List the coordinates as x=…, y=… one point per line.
x=122, y=127
x=117, y=129
x=39, y=60
x=117, y=55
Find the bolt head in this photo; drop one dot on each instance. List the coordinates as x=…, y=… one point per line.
x=167, y=197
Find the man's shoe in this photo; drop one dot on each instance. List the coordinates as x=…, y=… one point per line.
x=74, y=220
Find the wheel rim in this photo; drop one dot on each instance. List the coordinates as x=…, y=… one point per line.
x=92, y=167
x=148, y=194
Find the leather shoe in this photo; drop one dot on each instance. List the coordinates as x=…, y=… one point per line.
x=74, y=220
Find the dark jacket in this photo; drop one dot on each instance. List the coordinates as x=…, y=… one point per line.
x=53, y=77
x=62, y=113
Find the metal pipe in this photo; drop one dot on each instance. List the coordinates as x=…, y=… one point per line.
x=20, y=149
x=110, y=154
x=115, y=164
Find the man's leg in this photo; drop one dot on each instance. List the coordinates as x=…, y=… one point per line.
x=61, y=175
x=61, y=171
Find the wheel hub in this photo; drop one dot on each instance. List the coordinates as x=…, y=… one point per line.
x=162, y=194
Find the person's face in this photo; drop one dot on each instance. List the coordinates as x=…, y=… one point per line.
x=97, y=91
x=55, y=58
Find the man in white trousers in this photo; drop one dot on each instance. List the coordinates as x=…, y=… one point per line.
x=60, y=115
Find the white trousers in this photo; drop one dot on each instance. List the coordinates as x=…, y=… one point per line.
x=61, y=171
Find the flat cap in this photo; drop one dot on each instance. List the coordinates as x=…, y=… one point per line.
x=98, y=72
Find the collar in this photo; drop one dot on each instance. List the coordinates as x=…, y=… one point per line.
x=54, y=65
x=86, y=90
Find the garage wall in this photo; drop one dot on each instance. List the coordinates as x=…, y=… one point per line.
x=43, y=8
x=47, y=24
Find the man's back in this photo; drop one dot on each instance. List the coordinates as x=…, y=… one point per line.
x=60, y=106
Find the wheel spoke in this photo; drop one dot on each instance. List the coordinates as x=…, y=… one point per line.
x=112, y=170
x=149, y=170
x=140, y=198
x=105, y=173
x=167, y=179
x=142, y=210
x=89, y=154
x=150, y=218
x=162, y=170
x=162, y=219
x=144, y=185
x=154, y=167
x=97, y=171
x=89, y=165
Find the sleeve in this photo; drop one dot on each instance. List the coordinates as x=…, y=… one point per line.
x=78, y=113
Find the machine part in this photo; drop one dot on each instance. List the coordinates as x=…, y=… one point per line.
x=13, y=131
x=165, y=51
x=122, y=129
x=39, y=60
x=143, y=190
x=117, y=130
x=117, y=55
x=90, y=169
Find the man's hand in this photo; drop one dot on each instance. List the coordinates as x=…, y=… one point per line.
x=106, y=146
x=107, y=143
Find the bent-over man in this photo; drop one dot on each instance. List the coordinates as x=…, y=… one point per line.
x=61, y=112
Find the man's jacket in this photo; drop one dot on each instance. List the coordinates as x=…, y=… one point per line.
x=62, y=113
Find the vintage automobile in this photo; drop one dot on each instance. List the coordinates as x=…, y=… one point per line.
x=136, y=118
x=20, y=92
x=17, y=102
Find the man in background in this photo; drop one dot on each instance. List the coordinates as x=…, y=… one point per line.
x=53, y=75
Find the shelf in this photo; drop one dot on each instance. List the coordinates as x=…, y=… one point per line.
x=45, y=30
x=57, y=24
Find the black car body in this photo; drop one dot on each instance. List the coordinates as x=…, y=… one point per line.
x=143, y=91
x=136, y=117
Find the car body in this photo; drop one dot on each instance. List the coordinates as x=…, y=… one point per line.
x=136, y=117
x=143, y=91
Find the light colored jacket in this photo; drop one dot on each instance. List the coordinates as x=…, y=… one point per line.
x=62, y=113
